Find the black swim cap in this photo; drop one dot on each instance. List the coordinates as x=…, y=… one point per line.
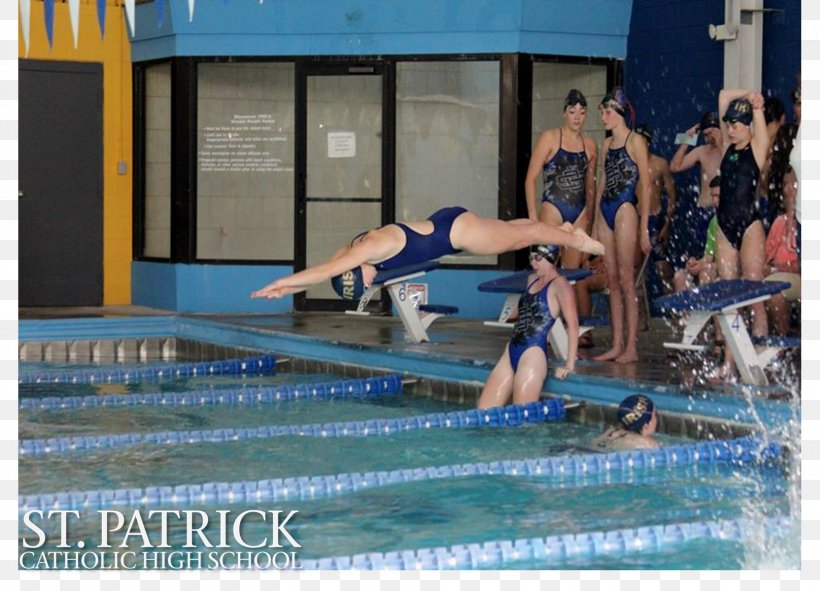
x=643, y=129
x=739, y=110
x=617, y=101
x=575, y=97
x=709, y=119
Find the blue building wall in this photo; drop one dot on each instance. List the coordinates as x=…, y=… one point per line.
x=673, y=70
x=781, y=54
x=382, y=27
x=227, y=288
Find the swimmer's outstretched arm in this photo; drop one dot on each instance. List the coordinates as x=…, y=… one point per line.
x=345, y=259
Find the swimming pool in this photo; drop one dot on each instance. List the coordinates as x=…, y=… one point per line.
x=445, y=493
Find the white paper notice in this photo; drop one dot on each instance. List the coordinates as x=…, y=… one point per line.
x=341, y=144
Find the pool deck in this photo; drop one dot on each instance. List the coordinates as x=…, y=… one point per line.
x=465, y=349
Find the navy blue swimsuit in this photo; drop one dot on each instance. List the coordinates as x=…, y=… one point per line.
x=621, y=182
x=533, y=325
x=564, y=182
x=425, y=247
x=737, y=210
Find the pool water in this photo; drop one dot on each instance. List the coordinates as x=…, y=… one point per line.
x=412, y=515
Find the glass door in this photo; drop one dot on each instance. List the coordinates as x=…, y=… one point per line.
x=340, y=188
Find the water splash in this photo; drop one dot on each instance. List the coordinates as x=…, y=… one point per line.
x=762, y=549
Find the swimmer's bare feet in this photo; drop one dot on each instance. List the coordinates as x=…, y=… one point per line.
x=588, y=245
x=610, y=355
x=628, y=356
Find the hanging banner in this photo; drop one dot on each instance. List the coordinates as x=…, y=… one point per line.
x=25, y=21
x=48, y=14
x=74, y=15
x=129, y=15
x=101, y=16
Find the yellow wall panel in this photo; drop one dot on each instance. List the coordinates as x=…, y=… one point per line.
x=114, y=52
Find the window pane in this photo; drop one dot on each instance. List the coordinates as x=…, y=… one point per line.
x=245, y=143
x=447, y=140
x=157, y=223
x=550, y=85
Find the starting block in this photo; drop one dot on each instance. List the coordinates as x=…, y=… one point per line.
x=514, y=285
x=724, y=299
x=416, y=320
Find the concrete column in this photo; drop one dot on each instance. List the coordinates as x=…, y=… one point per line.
x=743, y=55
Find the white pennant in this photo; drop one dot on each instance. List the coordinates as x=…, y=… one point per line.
x=74, y=14
x=129, y=12
x=25, y=21
x=190, y=10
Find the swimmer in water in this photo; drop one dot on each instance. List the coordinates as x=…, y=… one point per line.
x=638, y=421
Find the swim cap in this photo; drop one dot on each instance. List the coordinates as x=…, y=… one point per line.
x=709, y=120
x=635, y=411
x=575, y=97
x=548, y=251
x=349, y=285
x=617, y=101
x=643, y=129
x=739, y=110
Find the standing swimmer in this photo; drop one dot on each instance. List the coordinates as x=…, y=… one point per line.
x=691, y=221
x=522, y=369
x=740, y=238
x=567, y=159
x=619, y=221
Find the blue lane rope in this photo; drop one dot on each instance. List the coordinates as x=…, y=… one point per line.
x=555, y=549
x=263, y=364
x=747, y=450
x=509, y=416
x=374, y=386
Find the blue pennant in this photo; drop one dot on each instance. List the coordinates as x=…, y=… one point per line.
x=101, y=16
x=48, y=12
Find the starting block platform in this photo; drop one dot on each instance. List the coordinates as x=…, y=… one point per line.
x=416, y=321
x=723, y=300
x=514, y=285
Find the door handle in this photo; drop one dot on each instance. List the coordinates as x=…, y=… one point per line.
x=20, y=194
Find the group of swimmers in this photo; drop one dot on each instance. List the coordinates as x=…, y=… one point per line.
x=611, y=218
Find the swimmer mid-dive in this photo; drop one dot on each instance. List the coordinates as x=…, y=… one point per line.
x=522, y=368
x=638, y=421
x=447, y=231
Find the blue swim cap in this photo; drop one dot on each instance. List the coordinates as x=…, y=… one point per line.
x=349, y=285
x=635, y=411
x=548, y=251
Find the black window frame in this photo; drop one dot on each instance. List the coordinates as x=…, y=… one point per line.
x=515, y=123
